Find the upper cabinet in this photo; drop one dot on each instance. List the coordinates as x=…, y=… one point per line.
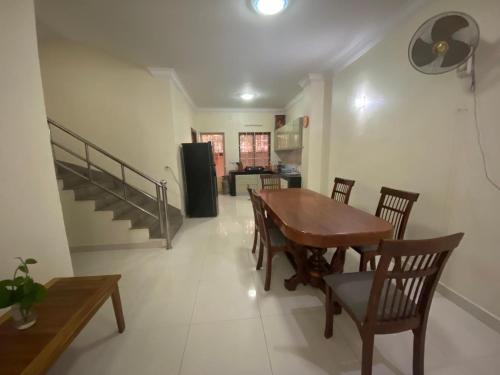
x=289, y=136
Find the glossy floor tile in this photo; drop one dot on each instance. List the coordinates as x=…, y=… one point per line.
x=201, y=309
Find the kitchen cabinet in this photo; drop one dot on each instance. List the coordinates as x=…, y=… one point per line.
x=247, y=180
x=289, y=136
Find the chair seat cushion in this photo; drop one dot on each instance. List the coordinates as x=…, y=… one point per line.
x=353, y=291
x=276, y=237
x=365, y=248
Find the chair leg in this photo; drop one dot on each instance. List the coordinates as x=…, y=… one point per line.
x=328, y=313
x=269, y=269
x=261, y=255
x=254, y=247
x=362, y=262
x=418, y=350
x=367, y=356
x=373, y=264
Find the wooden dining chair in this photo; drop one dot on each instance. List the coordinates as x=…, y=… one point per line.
x=270, y=181
x=394, y=206
x=271, y=239
x=256, y=227
x=392, y=300
x=342, y=190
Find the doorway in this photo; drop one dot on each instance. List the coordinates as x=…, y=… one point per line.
x=218, y=149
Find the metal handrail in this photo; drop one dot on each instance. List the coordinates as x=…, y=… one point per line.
x=160, y=187
x=97, y=148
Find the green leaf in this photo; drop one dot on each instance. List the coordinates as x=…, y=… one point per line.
x=28, y=285
x=19, y=281
x=5, y=298
x=30, y=261
x=23, y=268
x=6, y=283
x=40, y=292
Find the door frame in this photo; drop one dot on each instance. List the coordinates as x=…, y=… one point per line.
x=223, y=144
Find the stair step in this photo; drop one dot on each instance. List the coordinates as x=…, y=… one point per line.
x=90, y=191
x=144, y=222
x=104, y=201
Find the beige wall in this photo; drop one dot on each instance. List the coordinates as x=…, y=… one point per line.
x=119, y=106
x=31, y=219
x=231, y=123
x=137, y=116
x=87, y=227
x=417, y=133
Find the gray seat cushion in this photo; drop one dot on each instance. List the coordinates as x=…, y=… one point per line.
x=365, y=248
x=353, y=290
x=276, y=237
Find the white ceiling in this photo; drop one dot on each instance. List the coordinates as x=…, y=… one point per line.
x=219, y=48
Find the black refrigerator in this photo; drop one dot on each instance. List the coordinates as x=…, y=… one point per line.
x=200, y=180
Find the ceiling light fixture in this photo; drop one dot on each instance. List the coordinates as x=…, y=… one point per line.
x=247, y=96
x=269, y=7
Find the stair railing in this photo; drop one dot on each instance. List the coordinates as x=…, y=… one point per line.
x=160, y=187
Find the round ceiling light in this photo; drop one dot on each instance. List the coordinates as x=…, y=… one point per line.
x=247, y=96
x=269, y=7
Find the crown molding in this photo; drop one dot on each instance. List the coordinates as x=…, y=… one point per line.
x=276, y=111
x=311, y=77
x=294, y=101
x=171, y=73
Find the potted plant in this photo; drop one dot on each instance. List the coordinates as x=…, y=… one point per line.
x=22, y=293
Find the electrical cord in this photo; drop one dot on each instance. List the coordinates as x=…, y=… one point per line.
x=479, y=142
x=173, y=175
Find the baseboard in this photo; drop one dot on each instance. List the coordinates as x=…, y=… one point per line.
x=472, y=308
x=152, y=244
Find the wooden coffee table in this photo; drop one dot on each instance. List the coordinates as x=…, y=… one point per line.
x=71, y=302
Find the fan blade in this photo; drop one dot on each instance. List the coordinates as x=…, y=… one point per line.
x=446, y=26
x=422, y=53
x=457, y=53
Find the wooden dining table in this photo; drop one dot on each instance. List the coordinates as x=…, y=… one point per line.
x=313, y=223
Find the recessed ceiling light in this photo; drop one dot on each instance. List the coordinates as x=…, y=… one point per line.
x=247, y=96
x=269, y=7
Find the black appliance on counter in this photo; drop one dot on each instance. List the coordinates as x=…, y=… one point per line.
x=200, y=180
x=254, y=169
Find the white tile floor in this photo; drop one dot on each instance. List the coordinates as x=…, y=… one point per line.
x=201, y=309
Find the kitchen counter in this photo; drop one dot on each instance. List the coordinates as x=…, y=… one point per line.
x=233, y=174
x=294, y=180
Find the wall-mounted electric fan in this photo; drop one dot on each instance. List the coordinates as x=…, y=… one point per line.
x=443, y=43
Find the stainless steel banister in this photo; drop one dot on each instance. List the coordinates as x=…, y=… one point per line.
x=160, y=187
x=97, y=148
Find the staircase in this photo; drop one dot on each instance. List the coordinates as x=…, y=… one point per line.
x=90, y=181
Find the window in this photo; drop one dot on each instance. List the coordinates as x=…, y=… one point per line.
x=255, y=149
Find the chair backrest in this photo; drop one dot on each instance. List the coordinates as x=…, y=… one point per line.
x=395, y=206
x=260, y=217
x=342, y=189
x=270, y=181
x=406, y=278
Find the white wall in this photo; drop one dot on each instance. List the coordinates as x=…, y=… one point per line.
x=31, y=219
x=231, y=123
x=417, y=133
x=314, y=157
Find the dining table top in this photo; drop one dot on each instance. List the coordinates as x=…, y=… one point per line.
x=312, y=219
